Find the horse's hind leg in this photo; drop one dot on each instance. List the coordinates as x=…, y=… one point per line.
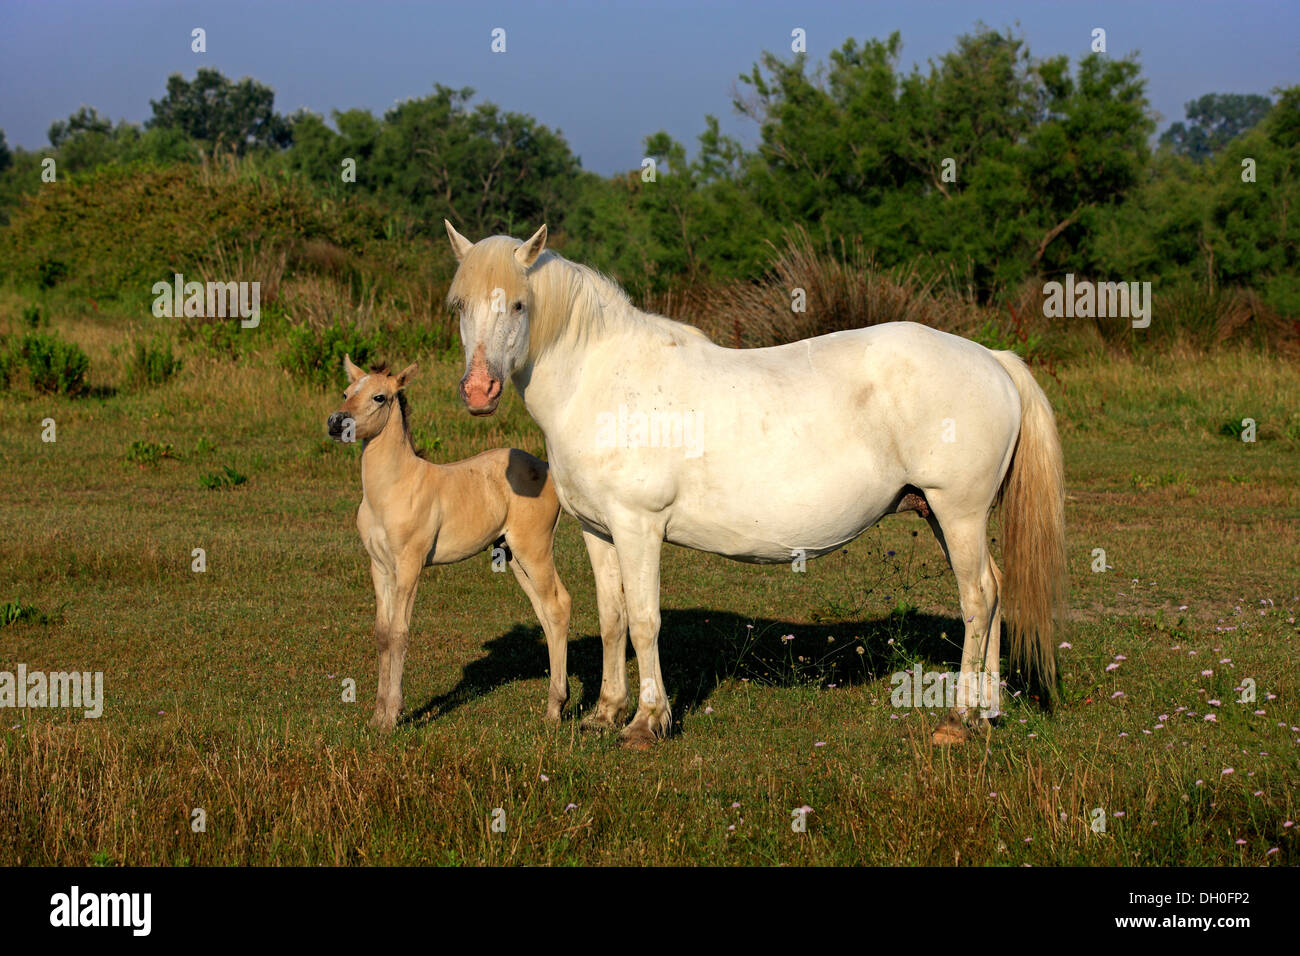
x=612, y=608
x=533, y=564
x=963, y=537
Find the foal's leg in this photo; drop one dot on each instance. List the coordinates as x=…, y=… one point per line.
x=534, y=569
x=964, y=541
x=639, y=548
x=408, y=576
x=612, y=608
x=384, y=588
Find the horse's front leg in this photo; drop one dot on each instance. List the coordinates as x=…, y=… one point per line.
x=384, y=590
x=638, y=545
x=611, y=708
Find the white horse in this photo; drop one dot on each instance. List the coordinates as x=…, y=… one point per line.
x=654, y=433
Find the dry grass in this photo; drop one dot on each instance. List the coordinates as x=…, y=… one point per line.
x=846, y=289
x=844, y=292
x=254, y=262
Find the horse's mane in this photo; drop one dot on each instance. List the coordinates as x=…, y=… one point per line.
x=575, y=301
x=570, y=301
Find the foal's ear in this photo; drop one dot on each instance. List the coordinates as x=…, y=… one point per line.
x=527, y=254
x=459, y=244
x=354, y=373
x=406, y=375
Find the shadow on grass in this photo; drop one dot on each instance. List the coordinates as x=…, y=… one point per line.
x=700, y=649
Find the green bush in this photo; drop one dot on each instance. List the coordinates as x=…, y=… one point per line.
x=226, y=478
x=149, y=452
x=53, y=365
x=317, y=356
x=152, y=364
x=7, y=362
x=50, y=272
x=32, y=317
x=11, y=612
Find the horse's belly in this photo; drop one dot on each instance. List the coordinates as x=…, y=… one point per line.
x=777, y=524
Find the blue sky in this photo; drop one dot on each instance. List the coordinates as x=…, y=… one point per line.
x=605, y=73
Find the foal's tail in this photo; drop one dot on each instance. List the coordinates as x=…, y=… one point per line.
x=1033, y=533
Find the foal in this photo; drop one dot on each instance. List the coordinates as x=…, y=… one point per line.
x=414, y=513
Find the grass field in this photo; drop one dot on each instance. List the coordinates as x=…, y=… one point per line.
x=224, y=689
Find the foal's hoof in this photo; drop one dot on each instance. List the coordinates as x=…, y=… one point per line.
x=950, y=731
x=382, y=724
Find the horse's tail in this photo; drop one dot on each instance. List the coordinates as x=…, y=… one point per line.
x=1033, y=533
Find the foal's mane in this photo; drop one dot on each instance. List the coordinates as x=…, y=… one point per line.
x=404, y=408
x=570, y=301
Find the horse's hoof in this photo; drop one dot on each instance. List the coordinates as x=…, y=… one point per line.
x=950, y=731
x=638, y=738
x=595, y=724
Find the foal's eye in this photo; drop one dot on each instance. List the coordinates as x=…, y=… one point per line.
x=380, y=398
x=519, y=307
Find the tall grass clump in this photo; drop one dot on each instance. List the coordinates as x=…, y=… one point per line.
x=54, y=366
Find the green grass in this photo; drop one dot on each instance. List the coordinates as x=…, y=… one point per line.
x=224, y=688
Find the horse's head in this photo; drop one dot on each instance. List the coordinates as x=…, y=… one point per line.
x=367, y=402
x=492, y=295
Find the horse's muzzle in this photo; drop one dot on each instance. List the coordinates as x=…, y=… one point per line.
x=480, y=392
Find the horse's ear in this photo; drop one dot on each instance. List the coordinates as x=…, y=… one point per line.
x=527, y=253
x=459, y=244
x=354, y=373
x=408, y=373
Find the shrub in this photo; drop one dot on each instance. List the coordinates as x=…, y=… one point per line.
x=226, y=478
x=32, y=317
x=7, y=362
x=55, y=366
x=317, y=355
x=152, y=364
x=149, y=452
x=49, y=272
x=11, y=612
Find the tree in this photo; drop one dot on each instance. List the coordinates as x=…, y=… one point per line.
x=1088, y=151
x=989, y=161
x=693, y=220
x=485, y=169
x=6, y=157
x=1213, y=121
x=217, y=112
x=85, y=120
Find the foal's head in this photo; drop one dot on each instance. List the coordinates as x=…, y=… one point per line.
x=490, y=291
x=368, y=401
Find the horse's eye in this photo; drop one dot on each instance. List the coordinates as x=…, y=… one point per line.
x=380, y=398
x=519, y=307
